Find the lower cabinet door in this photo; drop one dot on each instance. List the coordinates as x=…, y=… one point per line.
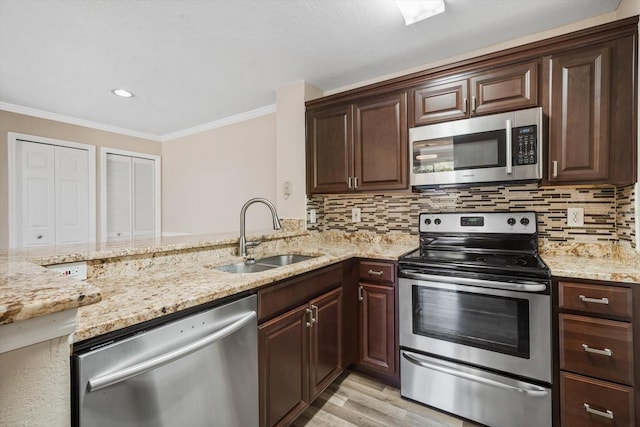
x=590, y=402
x=377, y=326
x=326, y=341
x=284, y=367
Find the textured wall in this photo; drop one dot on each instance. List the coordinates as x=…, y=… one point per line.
x=35, y=385
x=608, y=211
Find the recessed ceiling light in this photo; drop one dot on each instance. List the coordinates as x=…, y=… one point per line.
x=417, y=10
x=123, y=93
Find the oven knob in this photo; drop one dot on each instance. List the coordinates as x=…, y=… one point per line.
x=427, y=221
x=437, y=221
x=511, y=221
x=524, y=221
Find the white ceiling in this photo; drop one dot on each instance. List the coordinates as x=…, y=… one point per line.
x=195, y=61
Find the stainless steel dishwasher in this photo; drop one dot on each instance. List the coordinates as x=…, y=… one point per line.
x=201, y=370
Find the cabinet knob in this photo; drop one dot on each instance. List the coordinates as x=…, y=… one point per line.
x=39, y=236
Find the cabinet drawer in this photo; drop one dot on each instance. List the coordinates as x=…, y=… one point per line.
x=378, y=271
x=589, y=402
x=598, y=299
x=597, y=347
x=299, y=290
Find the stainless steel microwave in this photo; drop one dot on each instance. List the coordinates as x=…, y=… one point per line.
x=495, y=148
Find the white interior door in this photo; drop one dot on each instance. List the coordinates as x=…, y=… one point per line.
x=35, y=175
x=71, y=195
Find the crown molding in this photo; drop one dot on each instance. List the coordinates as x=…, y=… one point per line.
x=251, y=114
x=75, y=121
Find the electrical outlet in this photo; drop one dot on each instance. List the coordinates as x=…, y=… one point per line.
x=575, y=217
x=355, y=215
x=312, y=216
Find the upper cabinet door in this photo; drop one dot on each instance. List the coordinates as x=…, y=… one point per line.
x=381, y=143
x=440, y=102
x=329, y=149
x=590, y=100
x=503, y=89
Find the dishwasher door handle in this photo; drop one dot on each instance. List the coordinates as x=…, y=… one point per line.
x=112, y=378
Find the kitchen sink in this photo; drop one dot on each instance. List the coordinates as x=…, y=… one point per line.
x=241, y=267
x=280, y=260
x=263, y=264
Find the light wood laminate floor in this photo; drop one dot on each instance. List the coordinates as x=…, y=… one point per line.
x=356, y=400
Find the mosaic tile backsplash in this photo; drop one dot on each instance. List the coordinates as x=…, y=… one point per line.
x=608, y=210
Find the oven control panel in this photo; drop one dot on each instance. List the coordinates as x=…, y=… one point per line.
x=486, y=222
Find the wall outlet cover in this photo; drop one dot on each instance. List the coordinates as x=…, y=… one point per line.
x=313, y=218
x=575, y=217
x=355, y=215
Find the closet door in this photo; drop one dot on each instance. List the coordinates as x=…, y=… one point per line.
x=131, y=198
x=143, y=197
x=35, y=198
x=118, y=199
x=71, y=195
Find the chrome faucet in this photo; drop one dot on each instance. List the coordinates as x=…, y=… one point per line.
x=242, y=247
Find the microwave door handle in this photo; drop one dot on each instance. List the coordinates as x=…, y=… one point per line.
x=507, y=125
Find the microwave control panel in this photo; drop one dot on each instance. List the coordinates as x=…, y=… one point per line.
x=525, y=145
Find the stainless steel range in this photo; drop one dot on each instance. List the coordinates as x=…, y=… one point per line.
x=475, y=319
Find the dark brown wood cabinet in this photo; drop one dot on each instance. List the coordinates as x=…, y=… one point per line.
x=590, y=101
x=300, y=338
x=506, y=88
x=358, y=146
x=597, y=342
x=377, y=324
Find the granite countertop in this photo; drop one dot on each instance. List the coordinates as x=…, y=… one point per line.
x=136, y=296
x=143, y=290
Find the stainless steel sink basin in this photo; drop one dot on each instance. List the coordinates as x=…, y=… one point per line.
x=263, y=264
x=242, y=267
x=286, y=259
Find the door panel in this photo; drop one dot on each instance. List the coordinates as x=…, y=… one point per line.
x=377, y=326
x=72, y=195
x=283, y=367
x=579, y=114
x=326, y=341
x=329, y=150
x=36, y=199
x=381, y=143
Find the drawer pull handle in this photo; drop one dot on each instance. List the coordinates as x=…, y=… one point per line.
x=605, y=352
x=596, y=300
x=314, y=316
x=375, y=273
x=608, y=414
x=360, y=297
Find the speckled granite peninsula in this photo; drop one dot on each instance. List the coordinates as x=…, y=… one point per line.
x=134, y=281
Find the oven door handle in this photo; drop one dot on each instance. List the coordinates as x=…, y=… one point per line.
x=530, y=390
x=523, y=286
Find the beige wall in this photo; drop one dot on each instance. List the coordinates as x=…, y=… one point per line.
x=20, y=123
x=35, y=385
x=290, y=159
x=207, y=177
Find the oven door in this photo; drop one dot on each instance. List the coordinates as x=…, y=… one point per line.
x=497, y=325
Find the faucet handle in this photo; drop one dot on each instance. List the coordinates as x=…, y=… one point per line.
x=253, y=243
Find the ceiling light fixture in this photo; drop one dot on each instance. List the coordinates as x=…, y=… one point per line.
x=122, y=92
x=417, y=10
